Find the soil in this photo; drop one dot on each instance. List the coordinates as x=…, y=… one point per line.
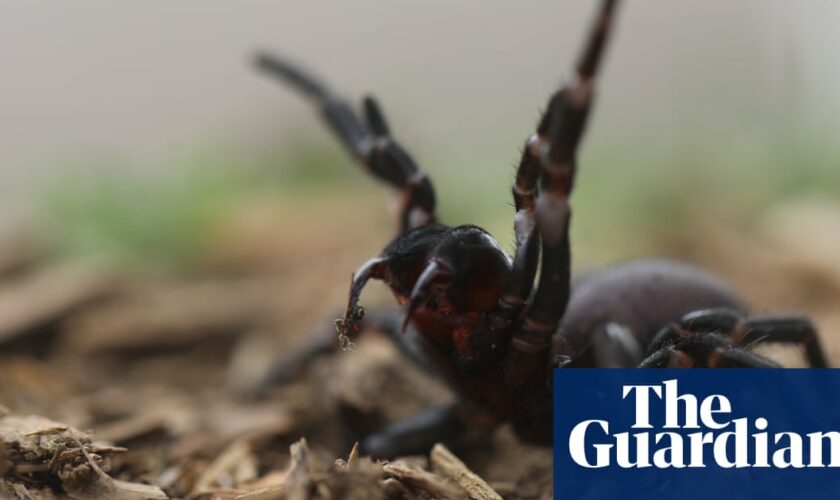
x=118, y=384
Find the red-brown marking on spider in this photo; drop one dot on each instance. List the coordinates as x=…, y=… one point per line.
x=473, y=314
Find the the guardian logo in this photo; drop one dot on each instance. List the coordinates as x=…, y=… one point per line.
x=696, y=433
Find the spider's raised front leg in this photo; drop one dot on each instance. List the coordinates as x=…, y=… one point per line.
x=369, y=142
x=551, y=155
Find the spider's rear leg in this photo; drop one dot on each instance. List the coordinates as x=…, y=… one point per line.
x=704, y=351
x=615, y=346
x=702, y=339
x=369, y=142
x=796, y=330
x=746, y=331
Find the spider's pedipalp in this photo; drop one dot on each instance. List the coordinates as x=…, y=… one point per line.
x=370, y=142
x=347, y=325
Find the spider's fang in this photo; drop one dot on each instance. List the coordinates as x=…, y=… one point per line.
x=436, y=270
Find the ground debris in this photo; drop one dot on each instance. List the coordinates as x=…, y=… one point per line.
x=357, y=478
x=42, y=459
x=47, y=296
x=148, y=368
x=39, y=455
x=448, y=465
x=235, y=465
x=183, y=315
x=423, y=482
x=18, y=252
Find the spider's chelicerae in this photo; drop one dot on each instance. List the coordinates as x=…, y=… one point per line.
x=472, y=314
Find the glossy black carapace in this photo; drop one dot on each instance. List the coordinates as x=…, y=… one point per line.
x=473, y=315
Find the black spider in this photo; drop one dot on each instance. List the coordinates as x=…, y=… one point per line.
x=472, y=315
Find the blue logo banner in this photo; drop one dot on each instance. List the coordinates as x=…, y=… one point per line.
x=696, y=434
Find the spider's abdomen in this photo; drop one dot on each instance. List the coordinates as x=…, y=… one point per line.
x=643, y=296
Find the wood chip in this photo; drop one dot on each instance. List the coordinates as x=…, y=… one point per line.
x=270, y=493
x=436, y=486
x=18, y=252
x=96, y=484
x=297, y=479
x=352, y=458
x=183, y=315
x=445, y=463
x=393, y=488
x=132, y=427
x=47, y=296
x=227, y=463
x=48, y=430
x=42, y=445
x=37, y=439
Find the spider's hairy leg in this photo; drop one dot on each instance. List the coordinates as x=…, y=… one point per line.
x=369, y=142
x=615, y=346
x=554, y=150
x=746, y=331
x=417, y=434
x=450, y=424
x=786, y=330
x=704, y=352
x=525, y=187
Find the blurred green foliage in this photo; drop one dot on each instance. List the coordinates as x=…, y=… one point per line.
x=139, y=218
x=166, y=220
x=624, y=199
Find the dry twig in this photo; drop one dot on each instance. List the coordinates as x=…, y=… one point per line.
x=448, y=465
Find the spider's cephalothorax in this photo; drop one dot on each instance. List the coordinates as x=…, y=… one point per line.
x=473, y=315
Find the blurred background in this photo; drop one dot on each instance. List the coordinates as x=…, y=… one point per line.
x=710, y=103
x=172, y=220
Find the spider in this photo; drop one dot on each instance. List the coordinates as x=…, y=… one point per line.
x=473, y=314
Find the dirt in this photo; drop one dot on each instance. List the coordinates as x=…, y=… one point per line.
x=118, y=384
